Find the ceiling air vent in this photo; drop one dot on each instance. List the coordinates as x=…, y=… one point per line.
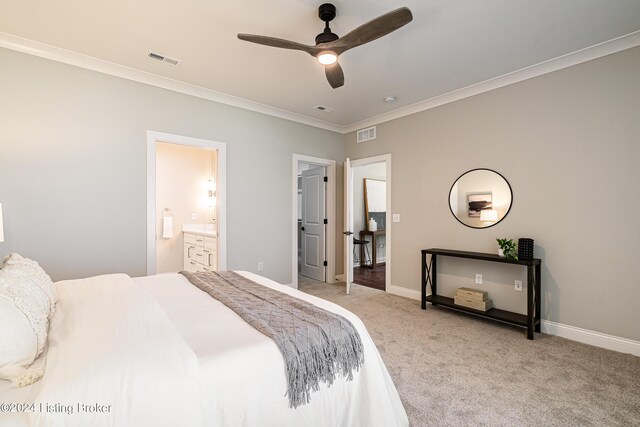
x=162, y=58
x=366, y=134
x=323, y=108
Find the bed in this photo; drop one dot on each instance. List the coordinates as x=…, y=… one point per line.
x=158, y=351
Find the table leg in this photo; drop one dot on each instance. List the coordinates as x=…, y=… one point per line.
x=530, y=302
x=434, y=276
x=374, y=256
x=423, y=301
x=538, y=289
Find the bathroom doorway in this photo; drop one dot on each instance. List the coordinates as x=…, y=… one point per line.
x=186, y=205
x=186, y=212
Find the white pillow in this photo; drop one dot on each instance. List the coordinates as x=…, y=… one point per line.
x=18, y=346
x=25, y=308
x=31, y=270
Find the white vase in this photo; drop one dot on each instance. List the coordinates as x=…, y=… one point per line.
x=500, y=253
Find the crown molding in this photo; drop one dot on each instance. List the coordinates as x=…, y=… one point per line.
x=574, y=58
x=43, y=50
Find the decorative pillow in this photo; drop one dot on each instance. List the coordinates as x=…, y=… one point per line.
x=18, y=346
x=31, y=270
x=25, y=306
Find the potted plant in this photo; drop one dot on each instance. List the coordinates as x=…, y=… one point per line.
x=508, y=249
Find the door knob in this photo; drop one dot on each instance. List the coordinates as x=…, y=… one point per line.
x=302, y=229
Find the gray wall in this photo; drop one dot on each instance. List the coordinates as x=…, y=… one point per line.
x=568, y=143
x=73, y=169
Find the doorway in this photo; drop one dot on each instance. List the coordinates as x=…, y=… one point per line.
x=186, y=202
x=186, y=199
x=313, y=214
x=368, y=219
x=369, y=225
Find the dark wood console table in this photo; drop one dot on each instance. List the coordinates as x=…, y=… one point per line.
x=531, y=320
x=374, y=243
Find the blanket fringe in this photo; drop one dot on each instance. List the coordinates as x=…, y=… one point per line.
x=306, y=370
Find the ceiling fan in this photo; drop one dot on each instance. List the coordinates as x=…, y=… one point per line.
x=329, y=46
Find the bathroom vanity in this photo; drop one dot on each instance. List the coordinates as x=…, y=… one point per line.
x=200, y=248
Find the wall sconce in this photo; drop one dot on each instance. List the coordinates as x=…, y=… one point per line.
x=211, y=193
x=1, y=225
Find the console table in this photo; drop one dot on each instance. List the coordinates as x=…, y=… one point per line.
x=531, y=320
x=374, y=243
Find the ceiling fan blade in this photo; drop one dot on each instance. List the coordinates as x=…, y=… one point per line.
x=372, y=30
x=281, y=43
x=334, y=75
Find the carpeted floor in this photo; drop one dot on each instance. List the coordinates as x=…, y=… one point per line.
x=452, y=369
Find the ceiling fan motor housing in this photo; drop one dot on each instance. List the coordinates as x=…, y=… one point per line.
x=326, y=37
x=326, y=12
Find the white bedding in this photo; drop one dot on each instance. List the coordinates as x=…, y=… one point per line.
x=162, y=352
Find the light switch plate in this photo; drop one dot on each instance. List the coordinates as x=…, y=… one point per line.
x=396, y=217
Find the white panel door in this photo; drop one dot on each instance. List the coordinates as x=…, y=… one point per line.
x=348, y=225
x=313, y=226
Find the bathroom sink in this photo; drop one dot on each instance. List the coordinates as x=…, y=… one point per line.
x=204, y=229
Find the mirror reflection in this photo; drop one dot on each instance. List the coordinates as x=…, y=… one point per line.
x=480, y=198
x=375, y=202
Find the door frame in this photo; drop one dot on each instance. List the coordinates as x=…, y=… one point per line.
x=386, y=158
x=330, y=235
x=154, y=137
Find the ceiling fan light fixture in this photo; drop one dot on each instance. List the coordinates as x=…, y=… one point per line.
x=329, y=46
x=327, y=58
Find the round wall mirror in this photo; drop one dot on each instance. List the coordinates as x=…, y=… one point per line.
x=480, y=198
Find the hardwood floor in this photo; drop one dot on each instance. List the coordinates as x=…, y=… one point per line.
x=371, y=277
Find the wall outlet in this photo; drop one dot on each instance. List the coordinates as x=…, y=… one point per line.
x=517, y=285
x=194, y=216
x=260, y=266
x=478, y=279
x=395, y=218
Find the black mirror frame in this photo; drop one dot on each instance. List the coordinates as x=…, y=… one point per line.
x=480, y=169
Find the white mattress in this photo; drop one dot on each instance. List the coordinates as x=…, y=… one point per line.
x=236, y=374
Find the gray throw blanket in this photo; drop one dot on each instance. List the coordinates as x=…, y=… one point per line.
x=316, y=344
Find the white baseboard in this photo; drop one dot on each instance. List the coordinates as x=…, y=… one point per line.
x=340, y=277
x=598, y=339
x=585, y=336
x=404, y=292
